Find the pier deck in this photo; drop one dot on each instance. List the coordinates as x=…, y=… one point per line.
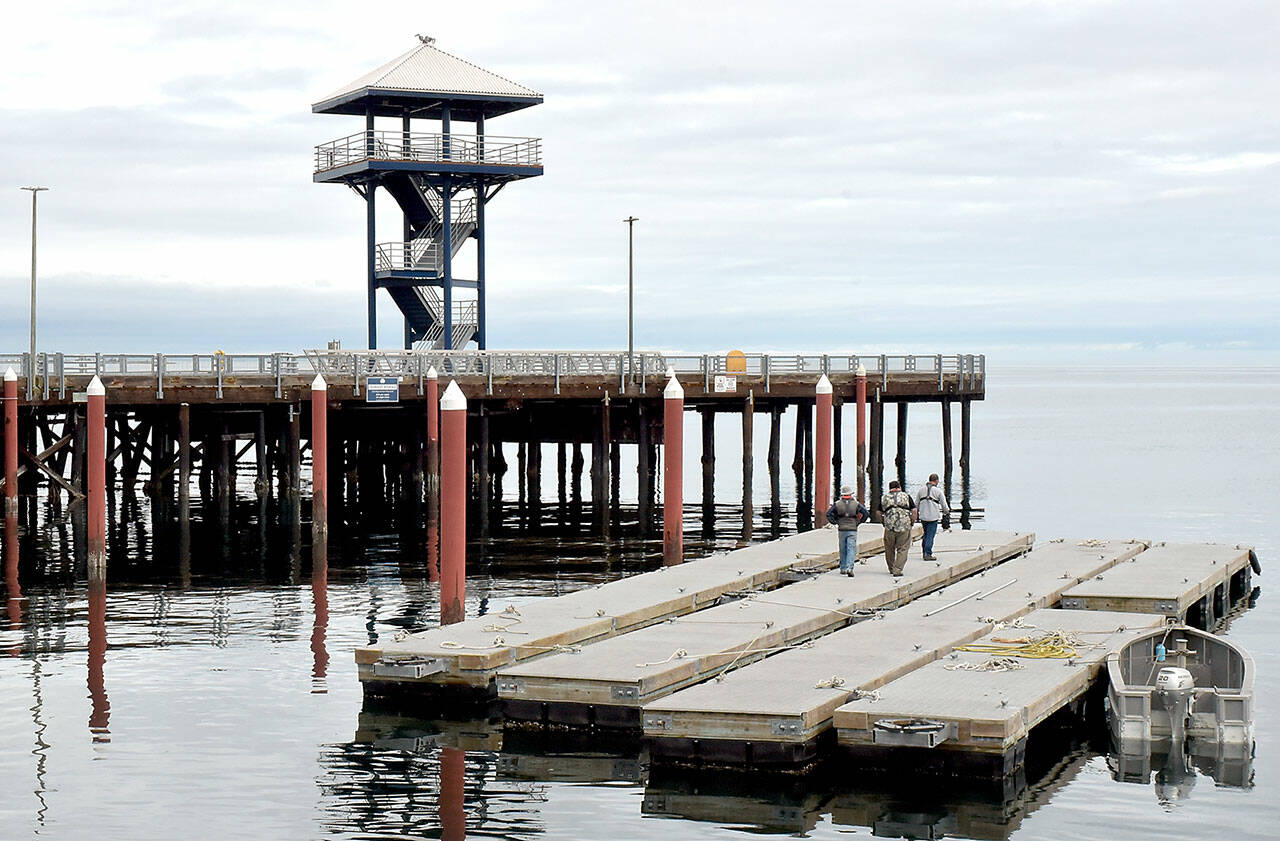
x=1169, y=579
x=991, y=712
x=778, y=709
x=469, y=654
x=606, y=683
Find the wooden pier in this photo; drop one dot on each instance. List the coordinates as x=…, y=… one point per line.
x=209, y=428
x=1187, y=582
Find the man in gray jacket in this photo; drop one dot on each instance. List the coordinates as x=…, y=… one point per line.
x=846, y=515
x=931, y=502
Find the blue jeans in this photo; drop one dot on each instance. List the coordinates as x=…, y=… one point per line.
x=930, y=532
x=848, y=549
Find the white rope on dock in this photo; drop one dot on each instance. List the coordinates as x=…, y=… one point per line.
x=833, y=682
x=995, y=664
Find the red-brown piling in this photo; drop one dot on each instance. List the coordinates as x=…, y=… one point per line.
x=319, y=460
x=822, y=453
x=453, y=813
x=861, y=453
x=673, y=472
x=10, y=442
x=453, y=505
x=96, y=475
x=433, y=475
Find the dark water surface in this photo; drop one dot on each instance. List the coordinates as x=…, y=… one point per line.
x=219, y=699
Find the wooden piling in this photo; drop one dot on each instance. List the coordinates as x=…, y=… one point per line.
x=319, y=460
x=184, y=468
x=965, y=503
x=860, y=452
x=673, y=473
x=900, y=461
x=534, y=467
x=522, y=481
x=748, y=464
x=946, y=447
x=453, y=505
x=600, y=469
x=708, y=463
x=615, y=483
x=96, y=470
x=562, y=491
x=876, y=456
x=822, y=445
x=774, y=461
x=482, y=472
x=10, y=443
x=644, y=474
x=837, y=446
x=575, y=484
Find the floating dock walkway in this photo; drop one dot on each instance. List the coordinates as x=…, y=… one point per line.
x=982, y=703
x=467, y=655
x=778, y=711
x=1193, y=583
x=605, y=684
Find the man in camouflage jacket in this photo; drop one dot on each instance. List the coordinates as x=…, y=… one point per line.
x=898, y=511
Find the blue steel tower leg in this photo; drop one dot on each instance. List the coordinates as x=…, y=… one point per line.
x=371, y=189
x=480, y=328
x=446, y=193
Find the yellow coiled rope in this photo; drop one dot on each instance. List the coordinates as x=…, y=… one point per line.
x=1051, y=646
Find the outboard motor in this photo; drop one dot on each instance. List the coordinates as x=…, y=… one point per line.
x=1175, y=693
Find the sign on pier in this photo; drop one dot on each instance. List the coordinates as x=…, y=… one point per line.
x=382, y=390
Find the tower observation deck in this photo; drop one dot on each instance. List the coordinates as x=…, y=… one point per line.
x=441, y=180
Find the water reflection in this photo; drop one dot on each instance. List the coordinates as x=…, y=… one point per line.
x=1173, y=773
x=12, y=585
x=100, y=707
x=403, y=778
x=320, y=625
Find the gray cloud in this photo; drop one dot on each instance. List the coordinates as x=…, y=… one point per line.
x=1098, y=174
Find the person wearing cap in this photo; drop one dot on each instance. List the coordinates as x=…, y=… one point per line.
x=846, y=515
x=898, y=510
x=931, y=503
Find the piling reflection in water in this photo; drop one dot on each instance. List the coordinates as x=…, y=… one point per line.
x=12, y=584
x=100, y=707
x=320, y=625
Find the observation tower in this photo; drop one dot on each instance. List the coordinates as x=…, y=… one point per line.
x=440, y=179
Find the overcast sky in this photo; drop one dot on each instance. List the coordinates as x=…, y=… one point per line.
x=1020, y=178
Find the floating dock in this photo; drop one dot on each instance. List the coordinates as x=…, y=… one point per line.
x=983, y=703
x=1183, y=581
x=605, y=684
x=468, y=655
x=778, y=711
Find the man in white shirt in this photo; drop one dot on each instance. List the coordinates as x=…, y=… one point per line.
x=931, y=503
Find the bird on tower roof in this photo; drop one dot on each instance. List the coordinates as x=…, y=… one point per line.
x=424, y=77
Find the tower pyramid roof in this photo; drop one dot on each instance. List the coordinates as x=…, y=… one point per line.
x=424, y=77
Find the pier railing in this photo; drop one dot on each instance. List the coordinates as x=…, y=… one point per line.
x=423, y=147
x=55, y=373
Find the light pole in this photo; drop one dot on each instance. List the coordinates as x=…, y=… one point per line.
x=631, y=295
x=31, y=372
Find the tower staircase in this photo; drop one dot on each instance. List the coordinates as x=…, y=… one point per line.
x=422, y=256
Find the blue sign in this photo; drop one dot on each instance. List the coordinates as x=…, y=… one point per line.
x=382, y=390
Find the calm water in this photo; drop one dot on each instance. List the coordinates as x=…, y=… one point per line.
x=219, y=698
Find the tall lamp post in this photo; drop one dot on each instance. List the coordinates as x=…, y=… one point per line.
x=631, y=296
x=31, y=372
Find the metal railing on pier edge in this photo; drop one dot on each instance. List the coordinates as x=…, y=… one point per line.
x=53, y=372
